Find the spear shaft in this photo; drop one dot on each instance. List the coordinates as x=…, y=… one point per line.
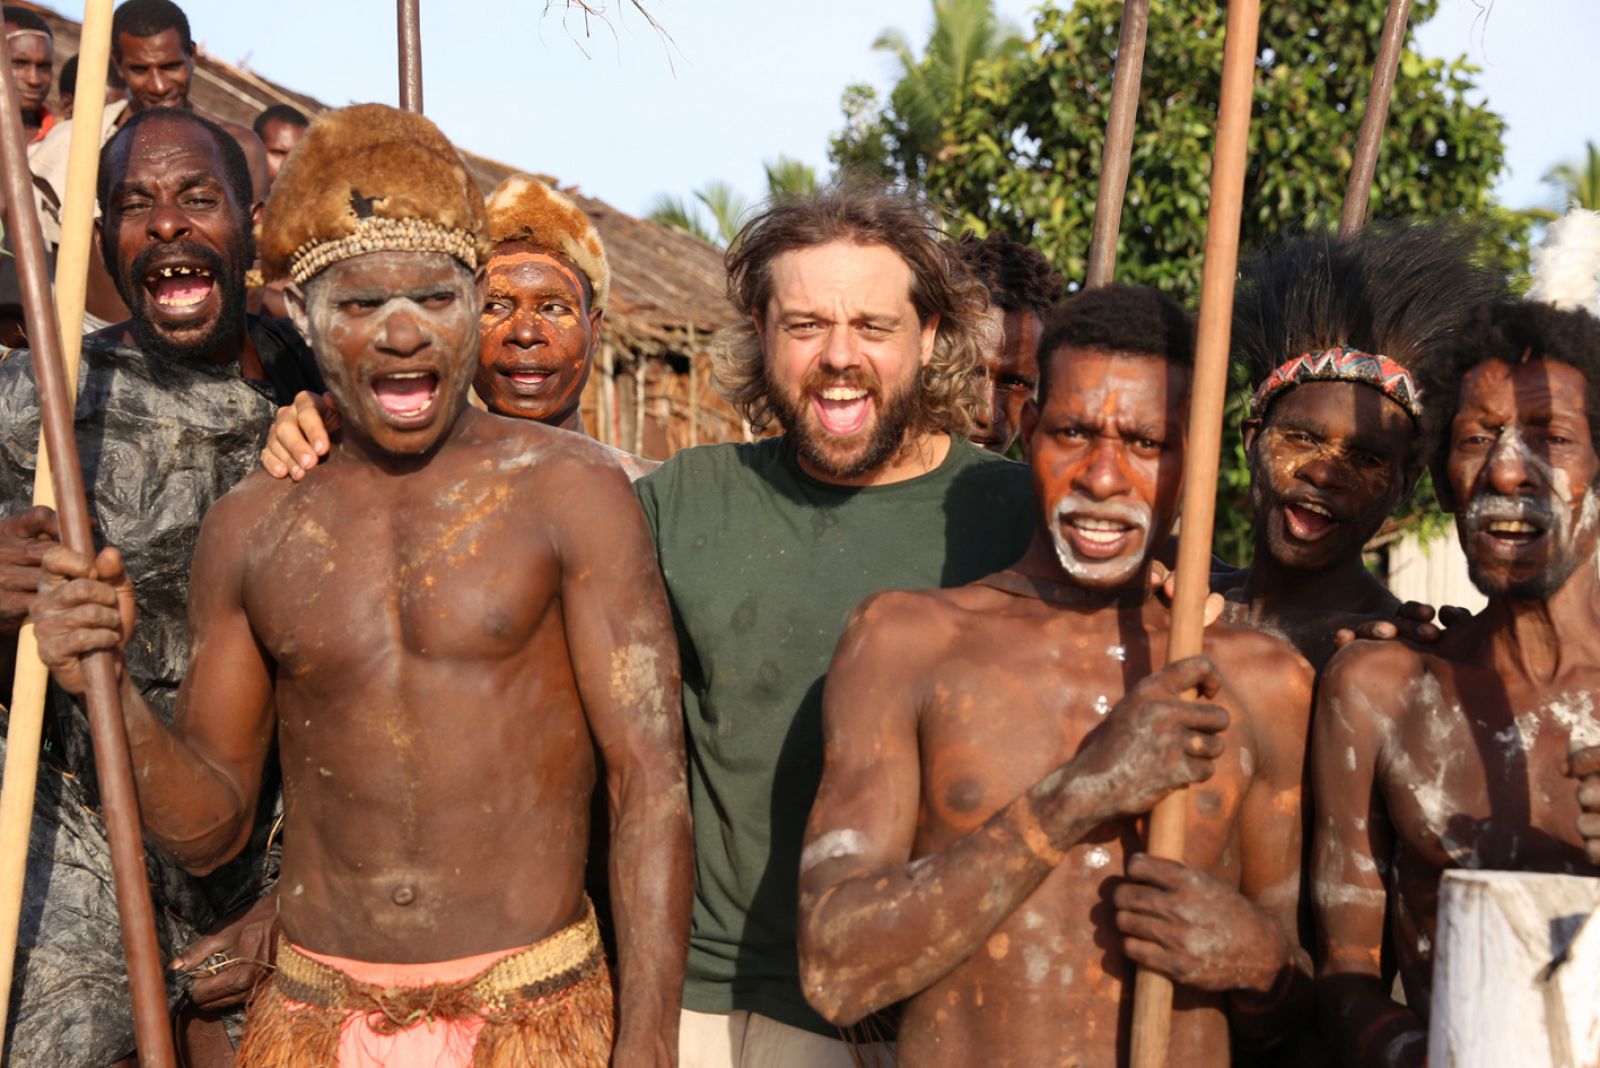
x=1119, y=143
x=1370, y=140
x=409, y=20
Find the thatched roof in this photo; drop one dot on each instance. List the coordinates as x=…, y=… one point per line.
x=664, y=283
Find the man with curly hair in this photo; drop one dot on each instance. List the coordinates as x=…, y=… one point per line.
x=1452, y=757
x=1022, y=287
x=990, y=749
x=860, y=339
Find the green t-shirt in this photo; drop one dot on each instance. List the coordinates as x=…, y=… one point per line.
x=763, y=565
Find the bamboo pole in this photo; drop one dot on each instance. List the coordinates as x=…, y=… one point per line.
x=1152, y=1001
x=31, y=683
x=1370, y=141
x=694, y=389
x=641, y=367
x=1119, y=143
x=409, y=20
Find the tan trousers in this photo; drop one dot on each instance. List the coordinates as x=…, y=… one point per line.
x=747, y=1040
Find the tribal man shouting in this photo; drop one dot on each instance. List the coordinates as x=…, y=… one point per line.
x=433, y=626
x=990, y=749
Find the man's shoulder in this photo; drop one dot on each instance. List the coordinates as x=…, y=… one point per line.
x=713, y=469
x=908, y=629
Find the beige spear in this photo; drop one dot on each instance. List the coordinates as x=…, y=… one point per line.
x=1119, y=144
x=1370, y=140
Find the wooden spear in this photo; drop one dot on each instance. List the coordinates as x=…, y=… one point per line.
x=119, y=802
x=1119, y=143
x=1152, y=997
x=1370, y=140
x=410, y=23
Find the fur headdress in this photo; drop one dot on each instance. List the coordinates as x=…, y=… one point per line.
x=1370, y=308
x=370, y=178
x=525, y=209
x=1566, y=265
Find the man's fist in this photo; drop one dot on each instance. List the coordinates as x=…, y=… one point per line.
x=82, y=607
x=24, y=539
x=1584, y=765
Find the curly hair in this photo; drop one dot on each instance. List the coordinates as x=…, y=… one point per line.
x=950, y=388
x=1117, y=318
x=1512, y=331
x=1017, y=276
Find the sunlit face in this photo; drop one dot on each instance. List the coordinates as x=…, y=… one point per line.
x=177, y=242
x=1327, y=467
x=156, y=69
x=1107, y=459
x=396, y=337
x=279, y=138
x=844, y=350
x=1522, y=469
x=536, y=334
x=1012, y=366
x=32, y=66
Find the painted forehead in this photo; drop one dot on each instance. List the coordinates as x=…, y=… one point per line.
x=1539, y=387
x=514, y=261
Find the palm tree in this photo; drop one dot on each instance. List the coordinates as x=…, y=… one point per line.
x=935, y=87
x=725, y=210
x=787, y=177
x=679, y=214
x=1579, y=183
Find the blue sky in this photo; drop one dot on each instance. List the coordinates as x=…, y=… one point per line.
x=625, y=116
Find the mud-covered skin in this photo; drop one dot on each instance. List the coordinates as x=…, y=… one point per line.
x=1012, y=368
x=1454, y=758
x=990, y=749
x=438, y=640
x=1341, y=447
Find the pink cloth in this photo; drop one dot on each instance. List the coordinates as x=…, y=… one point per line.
x=428, y=1043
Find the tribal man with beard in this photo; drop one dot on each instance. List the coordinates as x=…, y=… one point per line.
x=1453, y=757
x=542, y=316
x=861, y=339
x=172, y=405
x=1328, y=332
x=991, y=749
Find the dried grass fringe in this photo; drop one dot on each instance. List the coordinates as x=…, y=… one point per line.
x=570, y=1029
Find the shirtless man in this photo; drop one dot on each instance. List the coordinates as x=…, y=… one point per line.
x=548, y=286
x=1324, y=329
x=1022, y=287
x=1453, y=757
x=990, y=748
x=433, y=628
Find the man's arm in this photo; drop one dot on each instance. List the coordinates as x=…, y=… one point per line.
x=1351, y=839
x=625, y=660
x=1201, y=931
x=199, y=780
x=925, y=917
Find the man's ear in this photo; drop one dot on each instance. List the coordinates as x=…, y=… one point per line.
x=597, y=319
x=930, y=334
x=761, y=330
x=1250, y=429
x=294, y=299
x=255, y=214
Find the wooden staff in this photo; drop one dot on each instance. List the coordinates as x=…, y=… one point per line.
x=410, y=23
x=1119, y=143
x=119, y=802
x=1152, y=998
x=1370, y=141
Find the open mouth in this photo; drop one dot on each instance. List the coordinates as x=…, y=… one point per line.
x=1512, y=535
x=527, y=381
x=407, y=397
x=180, y=287
x=1096, y=537
x=1308, y=520
x=842, y=410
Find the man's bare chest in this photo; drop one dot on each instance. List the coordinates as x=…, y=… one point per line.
x=1472, y=776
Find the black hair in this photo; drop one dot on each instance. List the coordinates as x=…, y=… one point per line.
x=1133, y=320
x=148, y=18
x=235, y=170
x=1400, y=289
x=1017, y=276
x=1511, y=331
x=24, y=19
x=280, y=113
x=67, y=81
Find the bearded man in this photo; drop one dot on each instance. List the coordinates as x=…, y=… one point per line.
x=1453, y=757
x=1327, y=331
x=549, y=283
x=860, y=337
x=171, y=406
x=990, y=749
x=440, y=629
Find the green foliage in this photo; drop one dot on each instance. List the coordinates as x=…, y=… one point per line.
x=1023, y=150
x=718, y=211
x=1578, y=183
x=788, y=177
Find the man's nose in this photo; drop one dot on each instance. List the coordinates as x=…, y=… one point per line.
x=402, y=334
x=1511, y=469
x=526, y=332
x=167, y=223
x=839, y=349
x=159, y=83
x=1324, y=472
x=1102, y=477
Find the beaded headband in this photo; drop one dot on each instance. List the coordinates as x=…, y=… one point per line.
x=1341, y=364
x=376, y=233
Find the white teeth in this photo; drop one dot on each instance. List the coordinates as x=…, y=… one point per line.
x=410, y=374
x=1512, y=526
x=1087, y=523
x=842, y=393
x=1314, y=509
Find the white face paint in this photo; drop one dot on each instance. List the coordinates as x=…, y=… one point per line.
x=830, y=846
x=1119, y=530
x=1551, y=512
